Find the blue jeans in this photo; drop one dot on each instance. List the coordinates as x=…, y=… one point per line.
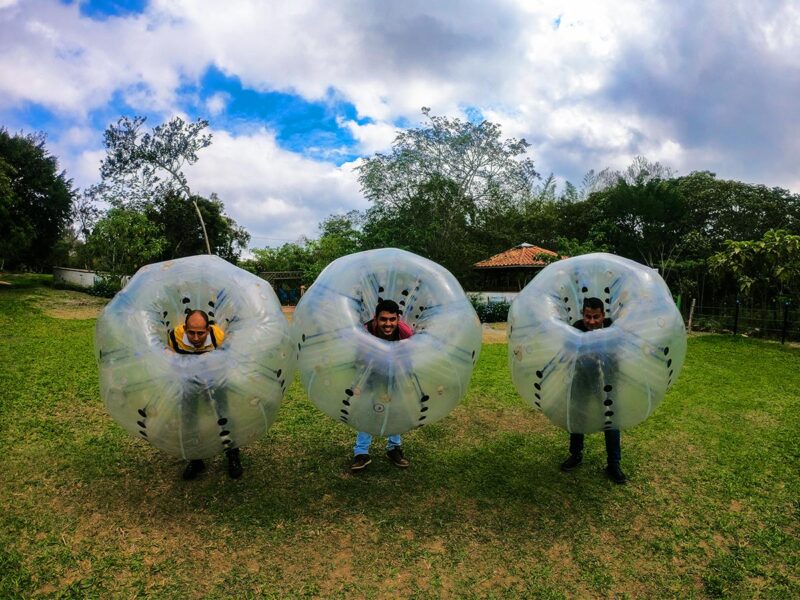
x=363, y=440
x=613, y=449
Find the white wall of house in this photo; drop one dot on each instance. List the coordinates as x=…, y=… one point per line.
x=77, y=277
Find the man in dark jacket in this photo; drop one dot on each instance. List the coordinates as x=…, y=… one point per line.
x=594, y=317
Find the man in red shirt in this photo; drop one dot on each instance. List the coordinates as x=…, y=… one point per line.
x=386, y=325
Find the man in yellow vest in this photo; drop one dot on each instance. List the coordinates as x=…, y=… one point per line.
x=198, y=336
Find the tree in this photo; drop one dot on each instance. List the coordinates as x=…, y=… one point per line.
x=182, y=233
x=439, y=184
x=142, y=167
x=125, y=240
x=771, y=264
x=35, y=201
x=473, y=157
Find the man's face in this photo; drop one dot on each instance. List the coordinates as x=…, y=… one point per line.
x=593, y=318
x=387, y=323
x=197, y=331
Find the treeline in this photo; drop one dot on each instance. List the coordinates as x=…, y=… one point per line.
x=150, y=212
x=457, y=193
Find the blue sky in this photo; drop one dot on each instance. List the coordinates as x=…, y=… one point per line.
x=296, y=93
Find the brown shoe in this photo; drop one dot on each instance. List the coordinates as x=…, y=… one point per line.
x=360, y=462
x=398, y=460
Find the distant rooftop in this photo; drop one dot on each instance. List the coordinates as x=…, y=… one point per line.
x=523, y=255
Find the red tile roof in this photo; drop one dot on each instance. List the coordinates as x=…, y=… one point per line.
x=524, y=255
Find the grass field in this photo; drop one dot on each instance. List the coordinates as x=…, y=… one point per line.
x=711, y=508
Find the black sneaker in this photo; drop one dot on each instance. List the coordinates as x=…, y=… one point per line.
x=193, y=469
x=615, y=474
x=572, y=462
x=234, y=464
x=398, y=460
x=360, y=462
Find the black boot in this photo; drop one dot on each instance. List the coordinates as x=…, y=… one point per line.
x=572, y=461
x=615, y=474
x=193, y=469
x=234, y=464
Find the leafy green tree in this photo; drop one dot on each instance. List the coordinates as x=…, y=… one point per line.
x=474, y=157
x=35, y=201
x=125, y=240
x=768, y=265
x=141, y=167
x=182, y=232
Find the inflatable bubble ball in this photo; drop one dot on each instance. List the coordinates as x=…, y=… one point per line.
x=194, y=405
x=609, y=378
x=378, y=386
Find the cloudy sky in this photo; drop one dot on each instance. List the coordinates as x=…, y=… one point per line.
x=297, y=90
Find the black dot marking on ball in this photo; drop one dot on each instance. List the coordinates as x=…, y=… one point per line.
x=607, y=427
x=211, y=303
x=537, y=404
x=141, y=424
x=299, y=347
x=228, y=320
x=607, y=291
x=349, y=392
x=607, y=387
x=666, y=350
x=608, y=300
x=141, y=412
x=185, y=300
x=421, y=308
x=404, y=292
x=167, y=323
x=165, y=314
x=283, y=383
x=303, y=337
x=402, y=303
x=425, y=398
x=566, y=299
x=539, y=374
x=423, y=409
x=380, y=289
x=278, y=373
x=608, y=402
x=423, y=417
x=227, y=442
x=211, y=313
x=584, y=289
x=473, y=354
x=343, y=419
x=187, y=311
x=417, y=317
x=346, y=402
x=538, y=396
x=222, y=421
x=670, y=372
x=380, y=299
x=144, y=433
x=538, y=386
x=569, y=309
x=609, y=413
x=213, y=322
x=224, y=432
x=344, y=412
x=669, y=362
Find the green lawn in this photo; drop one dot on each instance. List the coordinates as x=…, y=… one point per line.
x=711, y=509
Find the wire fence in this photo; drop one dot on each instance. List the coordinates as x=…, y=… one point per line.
x=778, y=321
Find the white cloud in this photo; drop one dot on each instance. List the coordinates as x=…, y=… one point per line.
x=589, y=84
x=277, y=195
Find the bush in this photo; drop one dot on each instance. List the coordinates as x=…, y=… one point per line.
x=105, y=287
x=490, y=312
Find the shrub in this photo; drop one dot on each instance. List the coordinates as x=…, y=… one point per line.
x=490, y=312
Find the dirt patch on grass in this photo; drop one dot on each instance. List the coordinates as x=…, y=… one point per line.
x=66, y=304
x=494, y=333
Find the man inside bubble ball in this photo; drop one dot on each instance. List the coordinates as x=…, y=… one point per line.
x=594, y=317
x=197, y=336
x=388, y=326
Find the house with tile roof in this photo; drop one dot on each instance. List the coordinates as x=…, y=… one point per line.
x=511, y=270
